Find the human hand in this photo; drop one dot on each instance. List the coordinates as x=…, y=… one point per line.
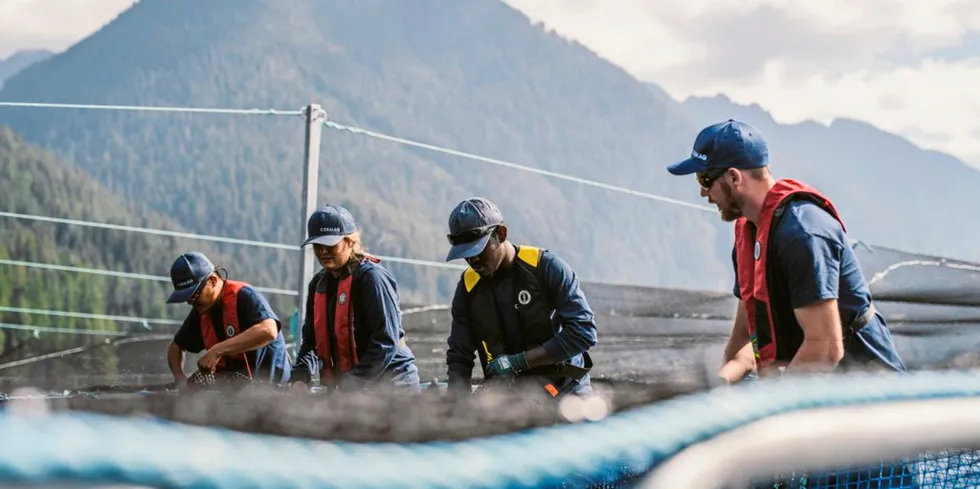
x=209, y=360
x=509, y=365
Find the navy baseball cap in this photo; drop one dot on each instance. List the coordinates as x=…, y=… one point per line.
x=469, y=227
x=187, y=274
x=729, y=144
x=328, y=225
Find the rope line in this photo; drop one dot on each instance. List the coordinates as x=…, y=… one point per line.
x=206, y=237
x=50, y=329
x=110, y=273
x=149, y=108
x=508, y=164
x=79, y=349
x=921, y=263
x=86, y=315
x=161, y=232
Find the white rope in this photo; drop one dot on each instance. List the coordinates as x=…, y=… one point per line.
x=138, y=276
x=86, y=315
x=921, y=263
x=161, y=232
x=508, y=164
x=80, y=349
x=49, y=329
x=148, y=108
x=434, y=307
x=205, y=237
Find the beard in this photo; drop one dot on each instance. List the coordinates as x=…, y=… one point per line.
x=732, y=210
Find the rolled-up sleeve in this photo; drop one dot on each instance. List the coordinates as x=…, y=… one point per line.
x=578, y=329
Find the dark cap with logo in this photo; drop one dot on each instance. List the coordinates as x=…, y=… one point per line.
x=328, y=225
x=729, y=144
x=469, y=227
x=187, y=274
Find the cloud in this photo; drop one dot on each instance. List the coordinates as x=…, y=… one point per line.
x=52, y=24
x=881, y=61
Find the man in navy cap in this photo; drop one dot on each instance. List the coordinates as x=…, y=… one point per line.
x=231, y=322
x=804, y=304
x=518, y=308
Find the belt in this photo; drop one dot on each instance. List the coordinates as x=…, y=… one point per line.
x=565, y=370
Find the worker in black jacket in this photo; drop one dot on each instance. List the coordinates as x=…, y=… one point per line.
x=518, y=308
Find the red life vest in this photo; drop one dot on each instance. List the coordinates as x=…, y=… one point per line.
x=343, y=328
x=229, y=315
x=752, y=246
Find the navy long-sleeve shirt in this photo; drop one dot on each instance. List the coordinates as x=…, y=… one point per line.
x=378, y=330
x=577, y=329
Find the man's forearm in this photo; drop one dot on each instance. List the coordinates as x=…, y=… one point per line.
x=252, y=339
x=739, y=365
x=537, y=357
x=817, y=356
x=175, y=359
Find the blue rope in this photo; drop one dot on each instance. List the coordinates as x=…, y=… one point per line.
x=102, y=449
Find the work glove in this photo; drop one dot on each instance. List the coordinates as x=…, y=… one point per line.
x=509, y=365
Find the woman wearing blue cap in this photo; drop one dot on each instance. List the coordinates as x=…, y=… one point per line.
x=352, y=334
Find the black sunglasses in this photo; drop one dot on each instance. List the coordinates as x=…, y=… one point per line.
x=471, y=235
x=707, y=178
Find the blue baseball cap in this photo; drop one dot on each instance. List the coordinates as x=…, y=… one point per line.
x=469, y=227
x=187, y=274
x=328, y=225
x=729, y=144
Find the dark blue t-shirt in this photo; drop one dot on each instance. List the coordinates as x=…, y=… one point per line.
x=268, y=362
x=814, y=257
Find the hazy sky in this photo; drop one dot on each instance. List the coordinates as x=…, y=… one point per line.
x=907, y=66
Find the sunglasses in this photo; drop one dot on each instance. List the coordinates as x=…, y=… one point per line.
x=707, y=178
x=470, y=235
x=197, y=293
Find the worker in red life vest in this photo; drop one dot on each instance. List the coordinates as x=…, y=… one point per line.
x=231, y=322
x=804, y=304
x=352, y=333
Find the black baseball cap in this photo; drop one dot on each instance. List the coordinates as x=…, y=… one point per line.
x=187, y=274
x=469, y=227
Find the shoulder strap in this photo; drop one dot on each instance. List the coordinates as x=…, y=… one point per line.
x=470, y=279
x=529, y=255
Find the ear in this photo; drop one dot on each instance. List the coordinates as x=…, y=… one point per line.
x=737, y=177
x=502, y=233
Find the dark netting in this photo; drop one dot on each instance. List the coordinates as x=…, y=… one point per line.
x=948, y=469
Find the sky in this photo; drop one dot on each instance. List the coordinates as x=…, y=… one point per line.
x=911, y=67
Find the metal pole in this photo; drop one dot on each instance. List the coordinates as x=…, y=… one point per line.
x=311, y=155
